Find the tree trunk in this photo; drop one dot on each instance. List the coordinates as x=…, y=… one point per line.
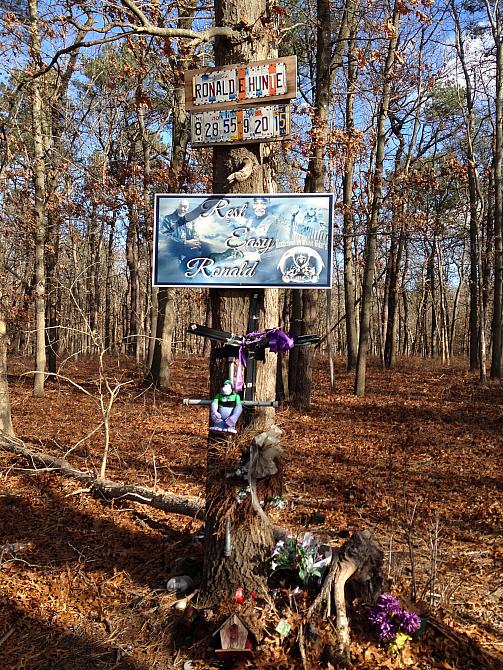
x=431, y=285
x=326, y=66
x=132, y=260
x=147, y=222
x=348, y=218
x=53, y=295
x=390, y=345
x=455, y=305
x=444, y=324
x=474, y=327
x=304, y=376
x=371, y=240
x=107, y=327
x=315, y=183
x=498, y=203
x=238, y=540
x=40, y=204
x=159, y=372
x=5, y=414
x=295, y=328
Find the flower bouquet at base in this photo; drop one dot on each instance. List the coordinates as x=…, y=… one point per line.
x=393, y=624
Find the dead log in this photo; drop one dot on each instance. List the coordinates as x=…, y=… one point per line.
x=355, y=570
x=104, y=488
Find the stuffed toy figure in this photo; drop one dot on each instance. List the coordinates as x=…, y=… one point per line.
x=226, y=409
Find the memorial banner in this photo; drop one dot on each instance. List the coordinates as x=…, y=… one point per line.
x=243, y=241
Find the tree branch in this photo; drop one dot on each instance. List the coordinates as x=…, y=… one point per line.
x=145, y=27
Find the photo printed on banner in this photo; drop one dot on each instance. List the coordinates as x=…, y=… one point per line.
x=243, y=241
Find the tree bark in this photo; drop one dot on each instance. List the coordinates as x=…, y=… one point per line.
x=108, y=338
x=496, y=329
x=159, y=372
x=348, y=217
x=6, y=427
x=327, y=65
x=390, y=344
x=431, y=285
x=475, y=327
x=315, y=183
x=53, y=295
x=238, y=541
x=132, y=259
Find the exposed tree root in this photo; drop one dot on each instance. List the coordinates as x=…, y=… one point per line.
x=356, y=567
x=104, y=488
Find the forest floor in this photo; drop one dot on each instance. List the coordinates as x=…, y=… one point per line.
x=418, y=461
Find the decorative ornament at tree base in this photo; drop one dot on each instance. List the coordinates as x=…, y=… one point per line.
x=226, y=408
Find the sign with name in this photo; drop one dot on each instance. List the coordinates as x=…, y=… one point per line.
x=234, y=85
x=252, y=124
x=243, y=241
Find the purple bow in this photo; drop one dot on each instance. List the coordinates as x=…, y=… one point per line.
x=278, y=340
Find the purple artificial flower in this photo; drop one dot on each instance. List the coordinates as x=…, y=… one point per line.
x=388, y=618
x=277, y=548
x=388, y=603
x=307, y=540
x=384, y=625
x=409, y=621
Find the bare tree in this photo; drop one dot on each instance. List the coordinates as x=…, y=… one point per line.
x=477, y=342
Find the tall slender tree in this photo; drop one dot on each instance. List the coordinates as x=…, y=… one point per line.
x=477, y=313
x=347, y=201
x=495, y=19
x=392, y=31
x=329, y=59
x=40, y=196
x=6, y=427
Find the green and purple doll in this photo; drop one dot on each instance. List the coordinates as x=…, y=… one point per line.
x=226, y=409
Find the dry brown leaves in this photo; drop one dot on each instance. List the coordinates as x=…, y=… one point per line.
x=417, y=461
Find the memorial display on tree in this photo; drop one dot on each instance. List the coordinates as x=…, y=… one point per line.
x=281, y=240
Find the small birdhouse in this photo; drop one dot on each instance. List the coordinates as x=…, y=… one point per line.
x=235, y=639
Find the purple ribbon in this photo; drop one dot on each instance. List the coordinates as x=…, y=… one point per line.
x=278, y=341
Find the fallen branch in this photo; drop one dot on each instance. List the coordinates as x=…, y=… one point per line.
x=105, y=488
x=14, y=548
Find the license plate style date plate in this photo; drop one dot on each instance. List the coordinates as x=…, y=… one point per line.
x=253, y=124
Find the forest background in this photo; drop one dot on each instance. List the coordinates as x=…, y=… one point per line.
x=89, y=133
x=401, y=120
